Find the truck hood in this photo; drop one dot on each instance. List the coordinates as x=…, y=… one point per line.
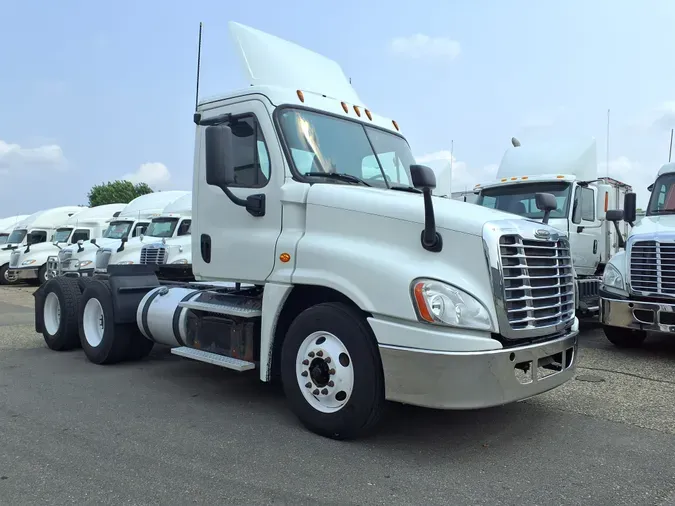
x=450, y=214
x=651, y=225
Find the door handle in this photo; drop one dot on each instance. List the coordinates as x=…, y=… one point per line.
x=205, y=246
x=595, y=246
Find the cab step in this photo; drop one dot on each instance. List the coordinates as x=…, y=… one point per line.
x=213, y=358
x=237, y=306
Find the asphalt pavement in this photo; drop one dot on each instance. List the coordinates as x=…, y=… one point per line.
x=172, y=431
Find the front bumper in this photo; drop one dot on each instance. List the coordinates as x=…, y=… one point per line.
x=82, y=273
x=477, y=379
x=20, y=273
x=637, y=315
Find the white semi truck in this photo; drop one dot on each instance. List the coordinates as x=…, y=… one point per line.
x=37, y=228
x=568, y=170
x=7, y=225
x=174, y=221
x=365, y=289
x=133, y=220
x=637, y=294
x=32, y=263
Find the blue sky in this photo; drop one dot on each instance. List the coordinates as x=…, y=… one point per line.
x=91, y=93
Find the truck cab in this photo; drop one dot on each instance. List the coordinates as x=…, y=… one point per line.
x=131, y=222
x=351, y=286
x=7, y=225
x=33, y=263
x=567, y=170
x=174, y=221
x=638, y=286
x=37, y=228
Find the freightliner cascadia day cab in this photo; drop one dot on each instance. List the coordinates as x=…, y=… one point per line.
x=637, y=294
x=133, y=220
x=7, y=225
x=175, y=246
x=365, y=287
x=32, y=263
x=164, y=225
x=569, y=171
x=37, y=228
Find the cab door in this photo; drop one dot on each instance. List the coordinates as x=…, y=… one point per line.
x=585, y=231
x=228, y=242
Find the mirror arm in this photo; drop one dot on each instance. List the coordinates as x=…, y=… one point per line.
x=619, y=235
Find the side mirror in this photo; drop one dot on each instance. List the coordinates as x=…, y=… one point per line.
x=602, y=202
x=423, y=178
x=546, y=203
x=615, y=215
x=630, y=208
x=219, y=161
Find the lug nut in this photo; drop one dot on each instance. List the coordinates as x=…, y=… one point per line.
x=303, y=374
x=324, y=391
x=311, y=354
x=327, y=360
x=332, y=371
x=316, y=392
x=305, y=362
x=308, y=385
x=331, y=384
x=319, y=353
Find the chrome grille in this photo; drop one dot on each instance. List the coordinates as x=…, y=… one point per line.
x=538, y=282
x=14, y=259
x=652, y=267
x=102, y=259
x=65, y=258
x=153, y=254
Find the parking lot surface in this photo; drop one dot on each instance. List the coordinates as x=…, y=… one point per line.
x=172, y=431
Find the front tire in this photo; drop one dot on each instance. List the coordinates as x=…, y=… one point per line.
x=332, y=372
x=59, y=315
x=624, y=338
x=3, y=275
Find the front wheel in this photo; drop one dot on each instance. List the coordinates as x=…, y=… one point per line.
x=623, y=337
x=4, y=279
x=332, y=372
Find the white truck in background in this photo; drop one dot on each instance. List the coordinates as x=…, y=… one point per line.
x=7, y=225
x=174, y=221
x=37, y=228
x=131, y=222
x=365, y=287
x=637, y=294
x=469, y=196
x=32, y=264
x=569, y=171
x=175, y=250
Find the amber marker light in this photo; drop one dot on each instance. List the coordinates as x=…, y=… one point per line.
x=344, y=107
x=422, y=303
x=301, y=96
x=370, y=116
x=284, y=257
x=395, y=125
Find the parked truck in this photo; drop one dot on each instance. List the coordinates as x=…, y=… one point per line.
x=637, y=294
x=361, y=289
x=37, y=228
x=32, y=264
x=133, y=220
x=568, y=170
x=174, y=221
x=7, y=225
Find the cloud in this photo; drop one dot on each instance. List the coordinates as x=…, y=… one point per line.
x=544, y=118
x=14, y=157
x=664, y=116
x=463, y=177
x=154, y=174
x=420, y=46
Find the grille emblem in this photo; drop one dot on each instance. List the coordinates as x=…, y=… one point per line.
x=542, y=233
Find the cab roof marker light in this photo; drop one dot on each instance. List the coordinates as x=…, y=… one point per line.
x=370, y=116
x=301, y=96
x=344, y=107
x=393, y=122
x=357, y=110
x=560, y=177
x=525, y=177
x=503, y=179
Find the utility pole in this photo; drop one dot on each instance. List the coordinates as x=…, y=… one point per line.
x=670, y=151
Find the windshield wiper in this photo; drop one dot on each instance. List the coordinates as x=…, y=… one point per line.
x=338, y=175
x=663, y=211
x=403, y=188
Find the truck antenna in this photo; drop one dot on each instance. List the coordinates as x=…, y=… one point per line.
x=199, y=59
x=607, y=154
x=670, y=152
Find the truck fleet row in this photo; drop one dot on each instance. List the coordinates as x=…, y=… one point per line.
x=320, y=257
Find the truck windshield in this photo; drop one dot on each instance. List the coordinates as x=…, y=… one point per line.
x=17, y=236
x=520, y=198
x=3, y=238
x=62, y=235
x=662, y=200
x=162, y=227
x=322, y=143
x=117, y=229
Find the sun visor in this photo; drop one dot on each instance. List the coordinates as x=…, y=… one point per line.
x=268, y=60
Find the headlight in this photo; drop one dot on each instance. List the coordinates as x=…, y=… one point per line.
x=612, y=277
x=126, y=262
x=181, y=261
x=83, y=263
x=28, y=262
x=442, y=304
